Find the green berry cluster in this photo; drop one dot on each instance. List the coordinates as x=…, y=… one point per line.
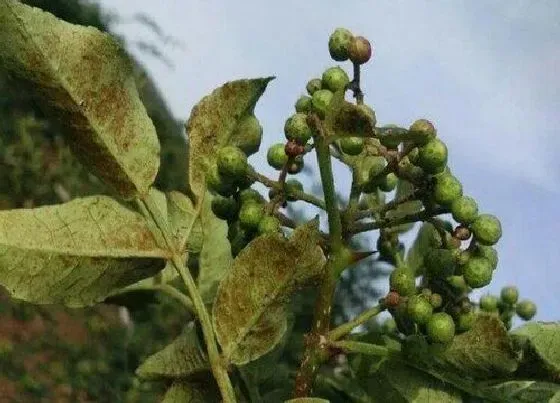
x=507, y=304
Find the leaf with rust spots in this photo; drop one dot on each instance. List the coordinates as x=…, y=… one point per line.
x=541, y=344
x=213, y=122
x=484, y=352
x=75, y=253
x=84, y=79
x=205, y=391
x=346, y=119
x=248, y=313
x=183, y=358
x=215, y=257
x=185, y=223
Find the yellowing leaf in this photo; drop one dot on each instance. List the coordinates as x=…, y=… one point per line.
x=182, y=358
x=213, y=121
x=75, y=253
x=85, y=80
x=248, y=313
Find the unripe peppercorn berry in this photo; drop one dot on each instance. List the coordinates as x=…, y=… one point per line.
x=247, y=135
x=464, y=210
x=488, y=303
x=489, y=253
x=225, y=208
x=447, y=189
x=436, y=301
x=335, y=79
x=293, y=185
x=389, y=326
x=487, y=229
x=217, y=183
x=439, y=262
x=321, y=101
x=359, y=51
x=276, y=156
x=296, y=128
x=509, y=295
x=250, y=196
x=313, y=86
x=250, y=215
x=422, y=130
x=269, y=225
x=440, y=328
x=389, y=182
x=477, y=272
x=293, y=149
x=339, y=43
x=432, y=157
x=402, y=281
x=465, y=321
x=352, y=145
x=296, y=165
x=303, y=104
x=526, y=309
x=232, y=162
x=419, y=309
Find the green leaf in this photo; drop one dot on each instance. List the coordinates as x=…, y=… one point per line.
x=350, y=388
x=192, y=392
x=404, y=189
x=419, y=248
x=249, y=315
x=344, y=118
x=185, y=223
x=483, y=352
x=307, y=400
x=396, y=382
x=542, y=339
x=182, y=358
x=213, y=121
x=215, y=256
x=519, y=391
x=75, y=253
x=86, y=81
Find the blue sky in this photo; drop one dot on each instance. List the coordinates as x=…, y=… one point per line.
x=486, y=73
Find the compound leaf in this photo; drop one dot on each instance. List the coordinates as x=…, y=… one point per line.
x=75, y=253
x=86, y=81
x=182, y=358
x=248, y=313
x=213, y=121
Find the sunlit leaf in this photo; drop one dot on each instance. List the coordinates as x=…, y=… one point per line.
x=249, y=315
x=75, y=253
x=213, y=121
x=183, y=358
x=85, y=80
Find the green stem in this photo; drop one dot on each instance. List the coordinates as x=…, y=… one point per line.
x=327, y=180
x=166, y=289
x=151, y=211
x=349, y=346
x=362, y=318
x=392, y=222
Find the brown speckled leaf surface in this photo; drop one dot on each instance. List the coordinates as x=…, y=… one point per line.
x=84, y=78
x=249, y=316
x=75, y=253
x=213, y=121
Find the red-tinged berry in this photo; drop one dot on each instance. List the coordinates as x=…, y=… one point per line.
x=360, y=50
